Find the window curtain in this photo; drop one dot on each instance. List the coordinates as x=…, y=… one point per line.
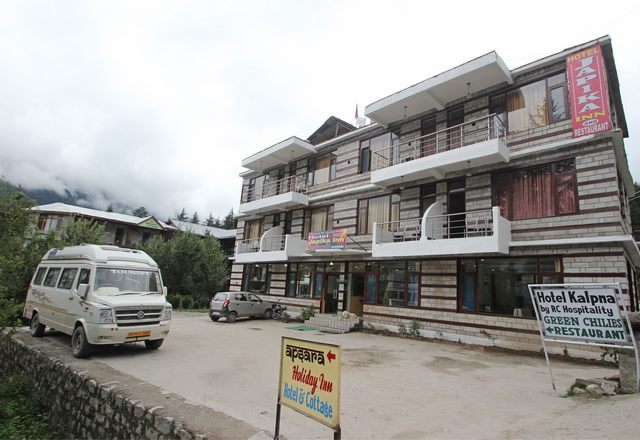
x=532, y=193
x=378, y=212
x=565, y=187
x=321, y=170
x=527, y=107
x=318, y=220
x=254, y=229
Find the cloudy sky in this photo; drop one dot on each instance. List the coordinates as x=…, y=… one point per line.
x=156, y=103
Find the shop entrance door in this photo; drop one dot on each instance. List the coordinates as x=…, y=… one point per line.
x=356, y=293
x=330, y=298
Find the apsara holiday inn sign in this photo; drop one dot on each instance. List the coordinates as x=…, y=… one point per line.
x=588, y=91
x=310, y=380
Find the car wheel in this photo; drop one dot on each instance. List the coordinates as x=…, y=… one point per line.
x=214, y=318
x=231, y=317
x=153, y=344
x=268, y=314
x=80, y=347
x=37, y=329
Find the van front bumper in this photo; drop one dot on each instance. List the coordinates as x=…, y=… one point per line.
x=102, y=334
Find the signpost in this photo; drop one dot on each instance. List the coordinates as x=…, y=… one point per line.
x=309, y=381
x=336, y=239
x=587, y=314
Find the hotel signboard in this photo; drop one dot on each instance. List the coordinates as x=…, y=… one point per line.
x=336, y=239
x=588, y=92
x=310, y=380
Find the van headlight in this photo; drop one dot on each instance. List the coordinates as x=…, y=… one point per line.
x=166, y=315
x=106, y=316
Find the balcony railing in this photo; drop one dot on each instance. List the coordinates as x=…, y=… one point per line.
x=247, y=246
x=457, y=225
x=459, y=136
x=274, y=188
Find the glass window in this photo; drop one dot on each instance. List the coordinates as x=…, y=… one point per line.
x=252, y=229
x=305, y=272
x=501, y=285
x=84, y=277
x=292, y=280
x=322, y=170
x=384, y=209
x=372, y=288
x=52, y=277
x=256, y=278
x=528, y=107
x=541, y=191
x=381, y=151
x=317, y=219
x=67, y=277
x=427, y=197
x=364, y=163
x=392, y=283
x=39, y=276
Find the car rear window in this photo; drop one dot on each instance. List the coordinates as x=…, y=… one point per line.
x=220, y=297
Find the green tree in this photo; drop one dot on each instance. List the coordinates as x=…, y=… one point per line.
x=140, y=212
x=190, y=265
x=110, y=208
x=82, y=231
x=182, y=215
x=230, y=221
x=194, y=218
x=211, y=220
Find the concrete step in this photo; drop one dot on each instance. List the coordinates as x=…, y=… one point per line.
x=333, y=323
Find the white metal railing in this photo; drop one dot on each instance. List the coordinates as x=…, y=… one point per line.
x=451, y=138
x=247, y=246
x=273, y=188
x=456, y=225
x=264, y=244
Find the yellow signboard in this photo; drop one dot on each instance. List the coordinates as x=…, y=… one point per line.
x=310, y=379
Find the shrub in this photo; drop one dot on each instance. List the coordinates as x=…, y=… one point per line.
x=307, y=312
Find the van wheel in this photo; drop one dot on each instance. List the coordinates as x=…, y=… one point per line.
x=80, y=347
x=37, y=329
x=231, y=317
x=153, y=344
x=268, y=314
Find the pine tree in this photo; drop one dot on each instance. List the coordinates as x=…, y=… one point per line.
x=194, y=218
x=140, y=212
x=182, y=215
x=230, y=221
x=110, y=208
x=211, y=221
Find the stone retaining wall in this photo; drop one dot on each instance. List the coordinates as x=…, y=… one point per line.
x=91, y=400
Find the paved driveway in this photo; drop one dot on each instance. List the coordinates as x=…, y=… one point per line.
x=392, y=388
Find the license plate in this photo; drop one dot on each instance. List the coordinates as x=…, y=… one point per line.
x=138, y=334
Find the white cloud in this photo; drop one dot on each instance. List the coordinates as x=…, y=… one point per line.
x=155, y=103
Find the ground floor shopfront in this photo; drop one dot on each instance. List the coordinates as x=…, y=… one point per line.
x=475, y=299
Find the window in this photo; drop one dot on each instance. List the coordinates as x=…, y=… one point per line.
x=84, y=277
x=427, y=197
x=255, y=278
x=382, y=209
x=384, y=150
x=429, y=138
x=119, y=238
x=322, y=170
x=537, y=104
x=500, y=285
x=39, y=276
x=394, y=283
x=253, y=229
x=299, y=279
x=317, y=219
x=48, y=223
x=52, y=277
x=541, y=191
x=67, y=277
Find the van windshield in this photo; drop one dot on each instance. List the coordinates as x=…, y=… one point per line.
x=117, y=281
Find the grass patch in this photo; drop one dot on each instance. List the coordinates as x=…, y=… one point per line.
x=23, y=414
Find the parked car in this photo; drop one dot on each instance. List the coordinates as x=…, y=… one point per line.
x=232, y=305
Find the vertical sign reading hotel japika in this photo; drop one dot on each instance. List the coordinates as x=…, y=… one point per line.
x=310, y=379
x=588, y=92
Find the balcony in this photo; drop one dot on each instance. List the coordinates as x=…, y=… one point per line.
x=474, y=143
x=462, y=233
x=272, y=246
x=278, y=195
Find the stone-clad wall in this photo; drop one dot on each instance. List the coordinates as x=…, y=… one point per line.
x=91, y=400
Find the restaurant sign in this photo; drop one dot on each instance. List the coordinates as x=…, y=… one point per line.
x=588, y=92
x=336, y=239
x=310, y=379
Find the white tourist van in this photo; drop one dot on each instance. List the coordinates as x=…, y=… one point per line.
x=99, y=295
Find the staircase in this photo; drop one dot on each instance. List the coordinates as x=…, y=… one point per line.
x=332, y=323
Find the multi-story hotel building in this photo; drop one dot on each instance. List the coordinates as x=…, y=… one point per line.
x=465, y=188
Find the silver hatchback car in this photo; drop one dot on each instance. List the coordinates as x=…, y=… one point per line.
x=232, y=305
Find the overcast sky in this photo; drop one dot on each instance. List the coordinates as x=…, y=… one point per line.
x=156, y=103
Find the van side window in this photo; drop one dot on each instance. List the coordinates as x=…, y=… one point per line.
x=66, y=280
x=39, y=276
x=84, y=277
x=52, y=276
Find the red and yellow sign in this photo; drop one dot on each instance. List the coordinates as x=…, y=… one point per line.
x=588, y=92
x=310, y=379
x=336, y=239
